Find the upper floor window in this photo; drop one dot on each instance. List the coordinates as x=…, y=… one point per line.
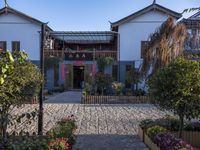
x=3, y=46
x=15, y=46
x=144, y=46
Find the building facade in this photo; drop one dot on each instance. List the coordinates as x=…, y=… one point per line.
x=77, y=52
x=19, y=31
x=134, y=31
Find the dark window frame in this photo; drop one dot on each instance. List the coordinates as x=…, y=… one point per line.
x=4, y=45
x=18, y=46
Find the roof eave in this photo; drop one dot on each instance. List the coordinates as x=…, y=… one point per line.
x=144, y=10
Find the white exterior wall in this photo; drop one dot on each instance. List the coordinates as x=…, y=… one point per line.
x=135, y=31
x=25, y=32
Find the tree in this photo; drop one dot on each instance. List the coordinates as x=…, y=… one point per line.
x=103, y=61
x=133, y=76
x=21, y=84
x=102, y=81
x=177, y=88
x=164, y=46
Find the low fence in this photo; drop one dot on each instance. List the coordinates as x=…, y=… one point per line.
x=114, y=99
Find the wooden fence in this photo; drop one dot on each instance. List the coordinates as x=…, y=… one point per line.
x=114, y=99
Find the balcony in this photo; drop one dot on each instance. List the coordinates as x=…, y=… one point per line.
x=80, y=55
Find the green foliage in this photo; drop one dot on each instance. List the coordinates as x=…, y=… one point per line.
x=102, y=81
x=147, y=123
x=170, y=122
x=153, y=131
x=177, y=88
x=103, y=61
x=118, y=87
x=22, y=81
x=27, y=143
x=64, y=129
x=133, y=76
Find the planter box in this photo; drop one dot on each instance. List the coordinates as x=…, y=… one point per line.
x=141, y=133
x=149, y=143
x=192, y=137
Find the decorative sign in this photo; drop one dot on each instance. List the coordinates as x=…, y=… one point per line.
x=78, y=56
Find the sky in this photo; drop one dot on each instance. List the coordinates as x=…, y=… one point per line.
x=89, y=15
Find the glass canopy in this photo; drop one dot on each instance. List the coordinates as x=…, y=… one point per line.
x=84, y=36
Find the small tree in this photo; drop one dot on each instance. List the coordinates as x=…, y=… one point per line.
x=133, y=77
x=21, y=83
x=177, y=88
x=102, y=62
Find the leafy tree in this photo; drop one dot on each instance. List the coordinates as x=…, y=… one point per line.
x=177, y=88
x=103, y=61
x=102, y=81
x=133, y=76
x=22, y=83
x=164, y=46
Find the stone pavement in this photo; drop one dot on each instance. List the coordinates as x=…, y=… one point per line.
x=65, y=97
x=100, y=127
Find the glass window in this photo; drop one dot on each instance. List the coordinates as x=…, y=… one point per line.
x=15, y=46
x=144, y=46
x=3, y=46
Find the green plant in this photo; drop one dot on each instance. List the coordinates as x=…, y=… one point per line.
x=153, y=131
x=133, y=76
x=21, y=83
x=147, y=123
x=170, y=122
x=176, y=88
x=87, y=89
x=64, y=129
x=103, y=61
x=102, y=81
x=118, y=87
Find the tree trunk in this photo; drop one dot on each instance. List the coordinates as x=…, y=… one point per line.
x=181, y=126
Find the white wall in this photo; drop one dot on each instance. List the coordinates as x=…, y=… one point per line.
x=25, y=32
x=135, y=31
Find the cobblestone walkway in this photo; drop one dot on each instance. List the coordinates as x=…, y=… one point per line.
x=100, y=127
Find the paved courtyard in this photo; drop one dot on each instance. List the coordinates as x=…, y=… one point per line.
x=65, y=97
x=100, y=127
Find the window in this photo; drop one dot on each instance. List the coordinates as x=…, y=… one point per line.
x=15, y=46
x=3, y=46
x=144, y=46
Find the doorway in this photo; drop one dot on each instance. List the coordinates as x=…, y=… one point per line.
x=78, y=77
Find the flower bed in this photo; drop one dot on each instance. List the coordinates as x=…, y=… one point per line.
x=60, y=137
x=162, y=134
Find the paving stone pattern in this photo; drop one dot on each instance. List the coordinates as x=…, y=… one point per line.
x=100, y=127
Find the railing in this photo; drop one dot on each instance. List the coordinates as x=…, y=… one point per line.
x=94, y=54
x=114, y=99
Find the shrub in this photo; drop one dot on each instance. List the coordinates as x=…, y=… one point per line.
x=192, y=126
x=176, y=88
x=153, y=131
x=118, y=87
x=169, y=122
x=147, y=123
x=64, y=129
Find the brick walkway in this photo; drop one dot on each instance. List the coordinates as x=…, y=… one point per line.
x=100, y=127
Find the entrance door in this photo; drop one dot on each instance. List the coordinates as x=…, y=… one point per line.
x=78, y=77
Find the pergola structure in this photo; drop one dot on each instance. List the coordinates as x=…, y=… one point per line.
x=93, y=43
